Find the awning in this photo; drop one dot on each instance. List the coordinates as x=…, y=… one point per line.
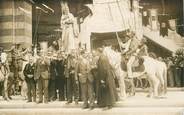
x=166, y=43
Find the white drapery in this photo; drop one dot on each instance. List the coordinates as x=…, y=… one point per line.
x=108, y=16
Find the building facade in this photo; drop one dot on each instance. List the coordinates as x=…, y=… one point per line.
x=15, y=23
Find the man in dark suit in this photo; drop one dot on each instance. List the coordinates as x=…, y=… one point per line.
x=42, y=77
x=29, y=77
x=86, y=80
x=72, y=86
x=60, y=78
x=52, y=81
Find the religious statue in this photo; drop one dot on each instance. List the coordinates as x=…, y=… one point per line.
x=68, y=29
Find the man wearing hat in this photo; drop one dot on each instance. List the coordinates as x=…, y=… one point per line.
x=41, y=75
x=29, y=77
x=60, y=78
x=52, y=81
x=131, y=51
x=72, y=86
x=86, y=80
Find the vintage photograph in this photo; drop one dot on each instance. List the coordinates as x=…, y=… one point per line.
x=96, y=57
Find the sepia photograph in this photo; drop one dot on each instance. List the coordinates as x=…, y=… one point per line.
x=96, y=57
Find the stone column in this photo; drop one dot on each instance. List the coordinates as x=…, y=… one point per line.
x=183, y=18
x=16, y=23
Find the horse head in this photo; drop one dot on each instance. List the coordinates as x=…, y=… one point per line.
x=113, y=57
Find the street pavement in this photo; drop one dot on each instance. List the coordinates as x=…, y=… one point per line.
x=172, y=99
x=172, y=104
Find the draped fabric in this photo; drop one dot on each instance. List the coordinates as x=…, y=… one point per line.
x=111, y=16
x=145, y=17
x=107, y=16
x=163, y=20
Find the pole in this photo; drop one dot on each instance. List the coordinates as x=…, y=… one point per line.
x=183, y=18
x=13, y=23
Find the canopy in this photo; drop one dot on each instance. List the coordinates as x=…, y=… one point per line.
x=108, y=16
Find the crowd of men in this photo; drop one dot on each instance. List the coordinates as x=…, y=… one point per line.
x=58, y=76
x=71, y=77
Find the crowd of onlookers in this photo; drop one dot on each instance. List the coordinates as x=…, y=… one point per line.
x=72, y=77
x=175, y=76
x=60, y=76
x=77, y=76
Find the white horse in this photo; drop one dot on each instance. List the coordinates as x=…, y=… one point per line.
x=156, y=72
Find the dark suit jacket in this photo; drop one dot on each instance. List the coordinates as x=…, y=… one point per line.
x=42, y=69
x=53, y=70
x=60, y=68
x=83, y=71
x=29, y=70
